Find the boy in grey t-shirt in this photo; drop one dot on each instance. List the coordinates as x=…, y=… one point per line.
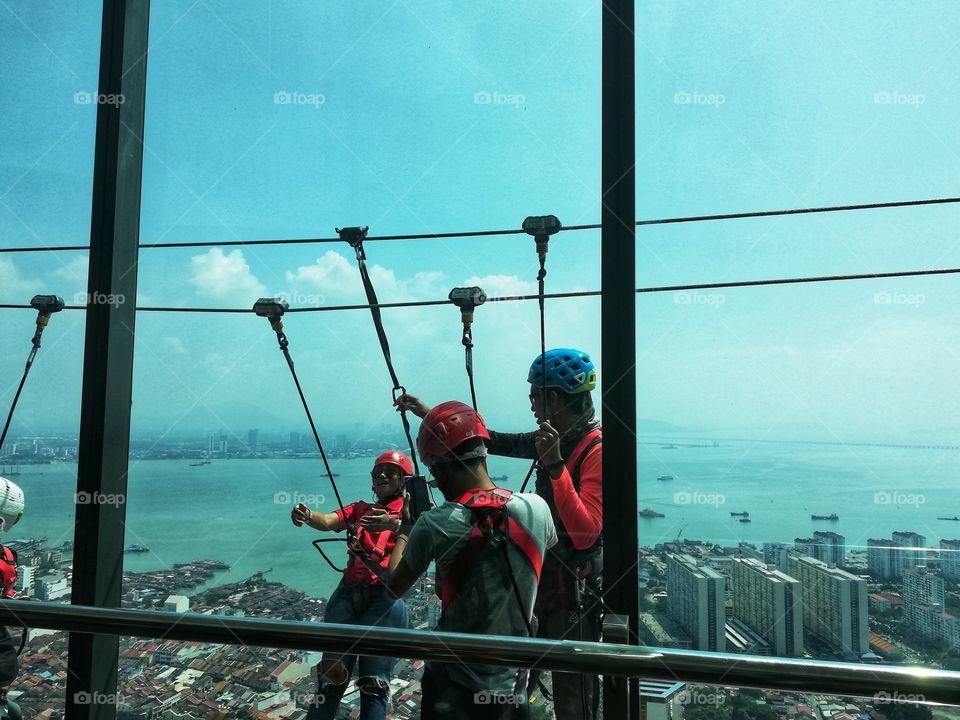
x=487, y=581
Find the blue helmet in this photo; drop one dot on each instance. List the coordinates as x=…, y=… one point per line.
x=570, y=370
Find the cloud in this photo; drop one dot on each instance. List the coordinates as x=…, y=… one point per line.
x=175, y=345
x=503, y=285
x=225, y=277
x=14, y=287
x=338, y=279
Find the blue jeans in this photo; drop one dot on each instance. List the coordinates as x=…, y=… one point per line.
x=360, y=604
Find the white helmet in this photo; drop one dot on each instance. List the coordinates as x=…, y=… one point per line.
x=11, y=504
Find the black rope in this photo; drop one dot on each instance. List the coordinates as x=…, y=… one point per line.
x=23, y=380
x=555, y=296
x=356, y=242
x=468, y=361
x=488, y=233
x=284, y=346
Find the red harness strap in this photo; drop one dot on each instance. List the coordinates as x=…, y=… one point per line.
x=8, y=571
x=488, y=509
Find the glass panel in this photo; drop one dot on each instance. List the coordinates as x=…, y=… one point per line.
x=50, y=54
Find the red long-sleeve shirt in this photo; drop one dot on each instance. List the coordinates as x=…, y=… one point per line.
x=581, y=514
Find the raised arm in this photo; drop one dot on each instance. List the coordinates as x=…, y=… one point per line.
x=325, y=522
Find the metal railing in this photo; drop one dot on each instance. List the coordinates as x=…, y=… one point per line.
x=750, y=671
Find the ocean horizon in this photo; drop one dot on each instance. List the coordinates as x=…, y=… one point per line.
x=238, y=510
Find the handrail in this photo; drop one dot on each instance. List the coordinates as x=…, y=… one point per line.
x=814, y=676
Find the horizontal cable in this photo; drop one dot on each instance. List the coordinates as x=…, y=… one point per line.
x=488, y=233
x=751, y=671
x=554, y=296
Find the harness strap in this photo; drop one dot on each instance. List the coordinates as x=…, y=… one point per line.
x=488, y=510
x=374, y=304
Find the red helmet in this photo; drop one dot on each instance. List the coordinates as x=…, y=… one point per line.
x=448, y=425
x=395, y=457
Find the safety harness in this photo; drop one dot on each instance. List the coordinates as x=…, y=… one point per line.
x=491, y=523
x=8, y=578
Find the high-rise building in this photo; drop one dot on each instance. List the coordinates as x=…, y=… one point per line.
x=777, y=554
x=24, y=581
x=950, y=559
x=769, y=602
x=909, y=551
x=695, y=600
x=880, y=559
x=295, y=440
x=834, y=604
x=252, y=439
x=923, y=608
x=833, y=547
x=830, y=547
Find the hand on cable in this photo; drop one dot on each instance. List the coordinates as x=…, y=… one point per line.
x=547, y=441
x=300, y=515
x=411, y=403
x=378, y=520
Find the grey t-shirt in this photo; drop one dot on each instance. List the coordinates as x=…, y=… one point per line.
x=486, y=602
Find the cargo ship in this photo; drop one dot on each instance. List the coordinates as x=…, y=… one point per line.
x=831, y=516
x=648, y=513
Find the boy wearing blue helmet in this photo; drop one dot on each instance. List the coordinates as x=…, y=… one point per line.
x=568, y=445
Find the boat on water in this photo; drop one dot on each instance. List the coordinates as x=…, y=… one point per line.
x=498, y=478
x=198, y=464
x=831, y=516
x=138, y=549
x=954, y=518
x=665, y=478
x=739, y=514
x=745, y=519
x=648, y=513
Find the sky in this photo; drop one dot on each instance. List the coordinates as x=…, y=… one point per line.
x=273, y=120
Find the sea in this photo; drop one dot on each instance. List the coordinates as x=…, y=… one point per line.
x=238, y=510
